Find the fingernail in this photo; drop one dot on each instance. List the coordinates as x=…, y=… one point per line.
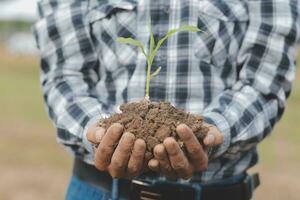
x=169, y=145
x=129, y=136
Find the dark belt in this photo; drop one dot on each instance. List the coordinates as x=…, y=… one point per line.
x=137, y=189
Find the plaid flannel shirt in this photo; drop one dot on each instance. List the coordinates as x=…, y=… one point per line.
x=238, y=75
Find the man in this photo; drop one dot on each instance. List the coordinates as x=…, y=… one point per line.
x=238, y=76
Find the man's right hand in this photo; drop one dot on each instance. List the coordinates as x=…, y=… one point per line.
x=118, y=153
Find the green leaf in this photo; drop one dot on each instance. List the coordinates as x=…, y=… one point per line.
x=183, y=28
x=132, y=42
x=152, y=42
x=171, y=32
x=156, y=72
x=189, y=28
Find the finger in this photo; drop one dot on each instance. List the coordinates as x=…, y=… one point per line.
x=136, y=160
x=106, y=148
x=161, y=155
x=194, y=148
x=119, y=160
x=178, y=160
x=153, y=164
x=214, y=137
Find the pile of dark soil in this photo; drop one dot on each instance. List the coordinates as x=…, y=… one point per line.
x=154, y=121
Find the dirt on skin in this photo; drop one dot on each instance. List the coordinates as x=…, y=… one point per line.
x=155, y=121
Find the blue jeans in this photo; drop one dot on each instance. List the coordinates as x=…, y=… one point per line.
x=80, y=190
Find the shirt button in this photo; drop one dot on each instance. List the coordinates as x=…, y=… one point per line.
x=164, y=57
x=158, y=58
x=165, y=8
x=162, y=60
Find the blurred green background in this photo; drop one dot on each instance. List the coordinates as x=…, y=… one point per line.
x=33, y=166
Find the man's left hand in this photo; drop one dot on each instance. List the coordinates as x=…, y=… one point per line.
x=172, y=161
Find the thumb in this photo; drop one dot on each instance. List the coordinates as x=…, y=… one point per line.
x=95, y=133
x=214, y=137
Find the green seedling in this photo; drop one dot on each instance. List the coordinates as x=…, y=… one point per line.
x=151, y=53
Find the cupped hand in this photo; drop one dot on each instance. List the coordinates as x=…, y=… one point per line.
x=118, y=152
x=170, y=160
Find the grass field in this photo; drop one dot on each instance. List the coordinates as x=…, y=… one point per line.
x=33, y=166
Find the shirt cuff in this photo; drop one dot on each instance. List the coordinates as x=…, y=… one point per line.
x=88, y=145
x=221, y=123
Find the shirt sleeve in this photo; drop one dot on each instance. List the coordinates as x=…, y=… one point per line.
x=69, y=71
x=247, y=112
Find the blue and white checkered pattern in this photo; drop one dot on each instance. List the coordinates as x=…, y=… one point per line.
x=238, y=75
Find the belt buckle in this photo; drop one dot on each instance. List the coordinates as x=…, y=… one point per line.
x=141, y=190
